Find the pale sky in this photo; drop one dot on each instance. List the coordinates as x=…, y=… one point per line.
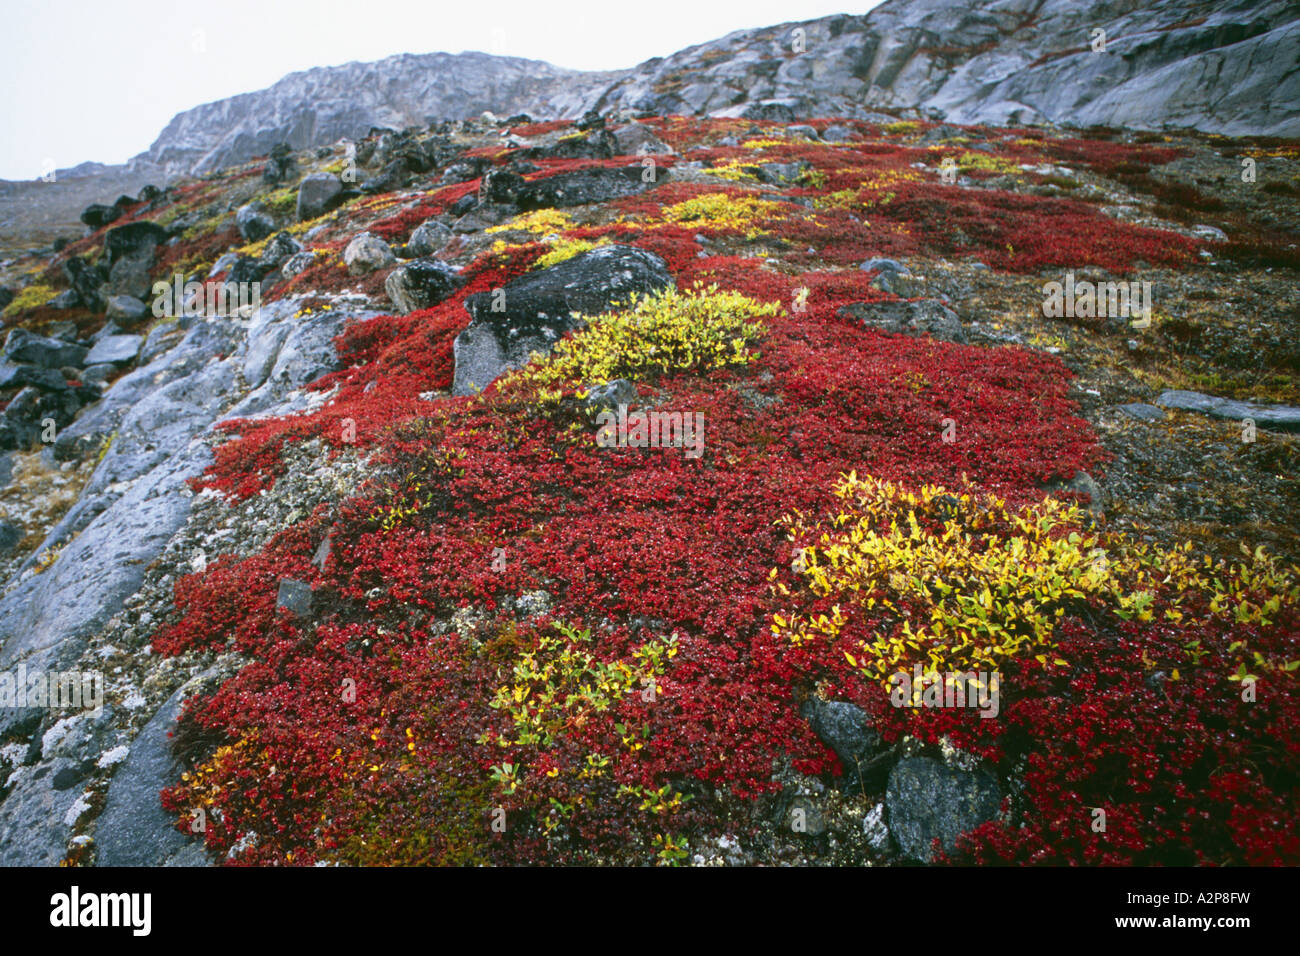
x=99, y=79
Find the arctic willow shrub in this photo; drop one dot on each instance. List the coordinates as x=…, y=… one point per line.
x=960, y=581
x=698, y=330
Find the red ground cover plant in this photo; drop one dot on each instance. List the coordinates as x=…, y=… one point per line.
x=434, y=694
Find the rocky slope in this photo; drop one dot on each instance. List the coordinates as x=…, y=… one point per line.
x=359, y=582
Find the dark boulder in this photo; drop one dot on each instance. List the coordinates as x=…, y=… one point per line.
x=464, y=170
x=128, y=277
x=536, y=310
x=278, y=250
x=97, y=215
x=500, y=186
x=928, y=800
x=317, y=195
x=843, y=727
x=253, y=222
x=591, y=120
x=28, y=413
x=86, y=282
x=421, y=284
x=582, y=187
x=22, y=376
x=280, y=165
x=246, y=269
x=135, y=240
x=33, y=349
x=598, y=145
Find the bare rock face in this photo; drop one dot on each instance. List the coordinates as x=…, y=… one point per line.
x=326, y=104
x=1227, y=67
x=1223, y=67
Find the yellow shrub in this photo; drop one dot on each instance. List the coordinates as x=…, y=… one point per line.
x=669, y=331
x=721, y=211
x=959, y=582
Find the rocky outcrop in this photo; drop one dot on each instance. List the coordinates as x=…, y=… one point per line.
x=157, y=421
x=1220, y=67
x=535, y=311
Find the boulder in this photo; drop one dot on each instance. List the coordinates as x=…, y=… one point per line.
x=600, y=144
x=843, y=727
x=126, y=310
x=280, y=165
x=781, y=174
x=87, y=282
x=926, y=317
x=884, y=265
x=421, y=284
x=366, y=253
x=500, y=186
x=1142, y=411
x=637, y=139
x=534, y=311
x=609, y=395
x=25, y=418
x=484, y=215
x=115, y=350
x=129, y=277
x=10, y=535
x=134, y=829
x=585, y=186
x=428, y=237
x=317, y=195
x=294, y=596
x=253, y=222
x=1283, y=418
x=464, y=170
x=97, y=374
x=20, y=376
x=97, y=215
x=24, y=346
x=135, y=240
x=928, y=800
x=297, y=264
x=279, y=250
x=838, y=134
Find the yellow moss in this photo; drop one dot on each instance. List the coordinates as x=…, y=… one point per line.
x=541, y=222
x=701, y=328
x=31, y=297
x=985, y=596
x=564, y=249
x=900, y=127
